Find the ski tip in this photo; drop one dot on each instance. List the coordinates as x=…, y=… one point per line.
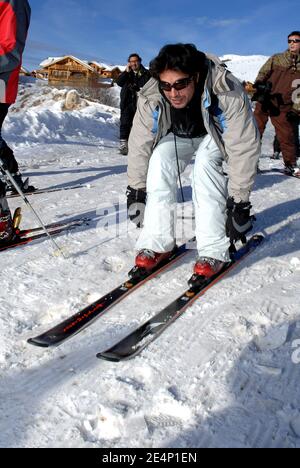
x=106, y=356
x=113, y=356
x=258, y=237
x=37, y=342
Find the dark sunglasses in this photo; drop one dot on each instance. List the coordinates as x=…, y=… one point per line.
x=178, y=85
x=295, y=41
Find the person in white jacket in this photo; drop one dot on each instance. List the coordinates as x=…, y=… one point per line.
x=192, y=107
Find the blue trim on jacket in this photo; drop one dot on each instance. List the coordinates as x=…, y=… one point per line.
x=215, y=111
x=155, y=115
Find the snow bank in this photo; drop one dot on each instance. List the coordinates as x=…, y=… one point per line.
x=245, y=68
x=39, y=116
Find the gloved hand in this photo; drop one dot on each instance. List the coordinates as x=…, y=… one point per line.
x=239, y=221
x=8, y=160
x=292, y=116
x=136, y=203
x=262, y=91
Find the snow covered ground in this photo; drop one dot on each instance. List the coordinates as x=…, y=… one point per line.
x=226, y=374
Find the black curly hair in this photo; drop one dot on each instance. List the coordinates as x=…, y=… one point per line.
x=294, y=33
x=182, y=57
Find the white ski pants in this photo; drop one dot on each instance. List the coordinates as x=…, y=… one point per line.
x=209, y=187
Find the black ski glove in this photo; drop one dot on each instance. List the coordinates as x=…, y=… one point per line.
x=239, y=221
x=8, y=160
x=263, y=91
x=136, y=203
x=292, y=117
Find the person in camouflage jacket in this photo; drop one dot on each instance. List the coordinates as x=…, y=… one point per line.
x=280, y=75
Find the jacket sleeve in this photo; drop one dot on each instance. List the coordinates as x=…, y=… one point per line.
x=14, y=24
x=144, y=78
x=123, y=79
x=265, y=71
x=242, y=143
x=141, y=141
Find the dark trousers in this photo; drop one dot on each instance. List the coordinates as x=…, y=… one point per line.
x=3, y=114
x=284, y=131
x=3, y=145
x=127, y=115
x=276, y=144
x=2, y=189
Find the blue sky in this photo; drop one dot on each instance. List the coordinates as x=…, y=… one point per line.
x=111, y=29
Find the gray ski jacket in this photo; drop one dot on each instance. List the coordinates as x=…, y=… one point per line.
x=227, y=116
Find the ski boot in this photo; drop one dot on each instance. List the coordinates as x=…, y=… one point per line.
x=292, y=170
x=24, y=185
x=9, y=227
x=205, y=268
x=123, y=147
x=6, y=227
x=146, y=261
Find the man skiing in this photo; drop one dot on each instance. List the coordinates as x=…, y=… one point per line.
x=191, y=106
x=131, y=81
x=14, y=24
x=281, y=75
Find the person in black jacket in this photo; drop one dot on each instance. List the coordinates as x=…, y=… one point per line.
x=14, y=24
x=131, y=81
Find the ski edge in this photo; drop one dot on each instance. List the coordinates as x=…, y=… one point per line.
x=39, y=234
x=47, y=190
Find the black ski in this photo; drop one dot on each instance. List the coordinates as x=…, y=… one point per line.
x=283, y=172
x=139, y=339
x=29, y=235
x=278, y=170
x=55, y=225
x=77, y=322
x=47, y=190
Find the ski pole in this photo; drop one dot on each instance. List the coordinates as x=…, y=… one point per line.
x=18, y=189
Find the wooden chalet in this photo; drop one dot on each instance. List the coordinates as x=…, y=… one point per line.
x=40, y=74
x=111, y=72
x=24, y=72
x=98, y=67
x=68, y=69
x=106, y=71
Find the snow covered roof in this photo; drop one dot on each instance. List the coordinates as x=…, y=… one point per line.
x=48, y=61
x=24, y=70
x=52, y=61
x=105, y=66
x=99, y=64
